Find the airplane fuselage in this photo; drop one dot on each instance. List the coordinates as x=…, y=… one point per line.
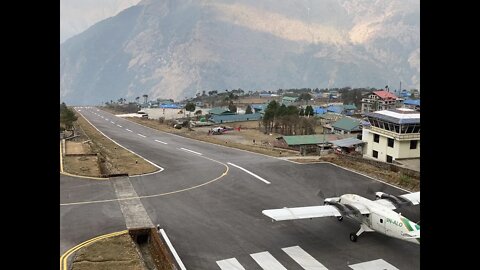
x=383, y=220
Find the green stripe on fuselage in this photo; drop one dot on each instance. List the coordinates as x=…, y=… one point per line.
x=407, y=224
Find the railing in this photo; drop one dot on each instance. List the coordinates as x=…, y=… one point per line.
x=397, y=136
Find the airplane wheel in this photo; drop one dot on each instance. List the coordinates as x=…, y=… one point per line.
x=340, y=218
x=353, y=237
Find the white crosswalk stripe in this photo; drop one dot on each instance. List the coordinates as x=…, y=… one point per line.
x=267, y=261
x=304, y=259
x=230, y=264
x=373, y=265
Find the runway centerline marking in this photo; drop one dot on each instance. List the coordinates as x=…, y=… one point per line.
x=161, y=142
x=184, y=149
x=128, y=130
x=118, y=125
x=141, y=135
x=249, y=172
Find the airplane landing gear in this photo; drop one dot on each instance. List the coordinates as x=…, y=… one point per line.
x=353, y=237
x=340, y=218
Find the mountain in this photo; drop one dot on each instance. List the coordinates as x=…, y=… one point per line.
x=176, y=48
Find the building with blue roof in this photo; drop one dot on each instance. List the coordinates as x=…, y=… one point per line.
x=413, y=104
x=319, y=110
x=335, y=109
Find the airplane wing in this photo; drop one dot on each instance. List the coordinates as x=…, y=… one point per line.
x=394, y=202
x=302, y=212
x=413, y=197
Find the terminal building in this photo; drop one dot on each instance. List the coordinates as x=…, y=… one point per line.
x=392, y=135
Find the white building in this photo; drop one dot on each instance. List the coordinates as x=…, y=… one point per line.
x=393, y=134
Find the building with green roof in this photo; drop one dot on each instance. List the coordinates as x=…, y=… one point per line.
x=347, y=125
x=220, y=111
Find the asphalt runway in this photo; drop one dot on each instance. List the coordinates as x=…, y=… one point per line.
x=211, y=209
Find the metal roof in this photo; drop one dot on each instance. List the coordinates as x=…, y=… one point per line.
x=415, y=102
x=235, y=118
x=335, y=109
x=398, y=116
x=170, y=106
x=304, y=139
x=319, y=110
x=348, y=142
x=218, y=111
x=385, y=95
x=347, y=124
x=349, y=107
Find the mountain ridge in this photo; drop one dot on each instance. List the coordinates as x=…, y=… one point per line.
x=174, y=49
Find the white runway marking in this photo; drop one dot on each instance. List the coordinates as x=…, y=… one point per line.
x=373, y=265
x=230, y=264
x=119, y=126
x=303, y=258
x=172, y=249
x=141, y=135
x=112, y=122
x=161, y=142
x=267, y=261
x=184, y=149
x=249, y=172
x=128, y=130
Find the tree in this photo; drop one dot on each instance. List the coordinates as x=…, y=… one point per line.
x=137, y=99
x=232, y=107
x=248, y=110
x=67, y=116
x=302, y=112
x=305, y=96
x=309, y=111
x=145, y=96
x=190, y=107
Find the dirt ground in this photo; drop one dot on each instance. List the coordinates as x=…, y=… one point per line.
x=117, y=252
x=72, y=147
x=242, y=139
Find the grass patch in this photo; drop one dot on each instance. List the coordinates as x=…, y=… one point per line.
x=117, y=252
x=394, y=178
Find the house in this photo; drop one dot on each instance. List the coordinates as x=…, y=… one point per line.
x=349, y=145
x=319, y=110
x=335, y=109
x=288, y=100
x=380, y=100
x=229, y=118
x=349, y=109
x=413, y=104
x=220, y=111
x=333, y=94
x=347, y=125
x=393, y=134
x=258, y=107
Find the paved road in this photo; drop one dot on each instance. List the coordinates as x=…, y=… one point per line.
x=211, y=209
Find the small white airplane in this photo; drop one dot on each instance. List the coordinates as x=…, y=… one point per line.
x=373, y=216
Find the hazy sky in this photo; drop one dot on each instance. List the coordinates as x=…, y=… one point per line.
x=77, y=15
